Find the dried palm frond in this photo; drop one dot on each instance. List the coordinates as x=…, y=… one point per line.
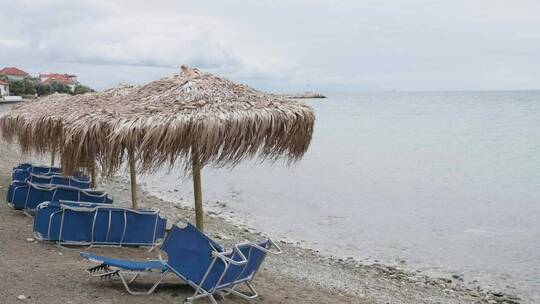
x=38, y=126
x=164, y=120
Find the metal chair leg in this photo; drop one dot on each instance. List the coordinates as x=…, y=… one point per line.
x=147, y=292
x=251, y=296
x=199, y=295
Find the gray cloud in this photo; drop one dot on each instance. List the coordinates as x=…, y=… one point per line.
x=282, y=45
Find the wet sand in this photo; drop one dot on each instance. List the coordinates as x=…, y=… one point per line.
x=45, y=273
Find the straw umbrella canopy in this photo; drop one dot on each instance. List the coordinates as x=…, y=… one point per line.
x=195, y=118
x=38, y=125
x=35, y=124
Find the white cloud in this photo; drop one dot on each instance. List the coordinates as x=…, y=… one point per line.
x=158, y=41
x=113, y=34
x=282, y=45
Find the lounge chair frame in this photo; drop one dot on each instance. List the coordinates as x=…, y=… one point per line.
x=95, y=208
x=229, y=288
x=103, y=271
x=219, y=288
x=54, y=188
x=51, y=177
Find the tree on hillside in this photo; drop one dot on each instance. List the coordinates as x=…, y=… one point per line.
x=22, y=87
x=59, y=87
x=33, y=86
x=43, y=89
x=82, y=89
x=29, y=87
x=16, y=87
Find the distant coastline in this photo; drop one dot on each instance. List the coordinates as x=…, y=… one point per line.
x=304, y=95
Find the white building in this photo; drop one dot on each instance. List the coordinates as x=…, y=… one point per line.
x=4, y=88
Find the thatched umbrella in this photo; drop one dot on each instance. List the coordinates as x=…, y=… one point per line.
x=195, y=117
x=35, y=124
x=38, y=125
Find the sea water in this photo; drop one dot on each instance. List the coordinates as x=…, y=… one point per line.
x=442, y=182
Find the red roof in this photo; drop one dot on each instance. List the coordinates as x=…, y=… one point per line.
x=59, y=79
x=3, y=82
x=62, y=78
x=13, y=72
x=56, y=75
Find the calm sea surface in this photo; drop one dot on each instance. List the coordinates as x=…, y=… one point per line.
x=443, y=182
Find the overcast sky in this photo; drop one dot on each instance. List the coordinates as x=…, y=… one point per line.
x=281, y=45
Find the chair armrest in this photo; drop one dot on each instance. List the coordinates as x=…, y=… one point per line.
x=80, y=209
x=267, y=250
x=40, y=176
x=44, y=187
x=93, y=194
x=223, y=256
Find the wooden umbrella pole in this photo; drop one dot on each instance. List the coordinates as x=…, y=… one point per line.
x=93, y=175
x=133, y=176
x=53, y=154
x=197, y=192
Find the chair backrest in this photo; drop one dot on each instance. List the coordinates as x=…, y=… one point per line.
x=47, y=221
x=95, y=196
x=50, y=223
x=67, y=193
x=40, y=179
x=190, y=256
x=189, y=252
x=59, y=180
x=70, y=181
x=242, y=273
x=76, y=227
x=23, y=174
x=37, y=194
x=70, y=193
x=144, y=226
x=22, y=189
x=98, y=224
x=27, y=168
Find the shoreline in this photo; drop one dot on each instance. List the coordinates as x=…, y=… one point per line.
x=228, y=209
x=234, y=229
x=300, y=275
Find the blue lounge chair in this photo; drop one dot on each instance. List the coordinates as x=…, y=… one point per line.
x=81, y=223
x=21, y=175
x=23, y=171
x=48, y=180
x=36, y=168
x=29, y=195
x=197, y=259
x=29, y=168
x=82, y=183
